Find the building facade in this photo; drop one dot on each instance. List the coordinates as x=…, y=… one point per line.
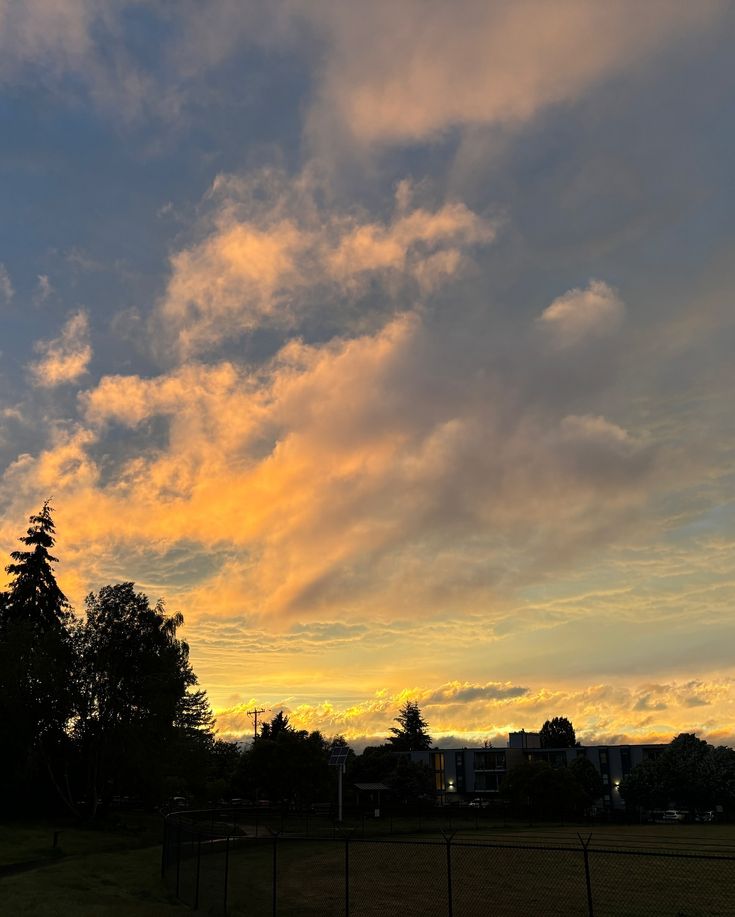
x=463, y=774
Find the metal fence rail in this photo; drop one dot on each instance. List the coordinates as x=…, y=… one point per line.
x=219, y=864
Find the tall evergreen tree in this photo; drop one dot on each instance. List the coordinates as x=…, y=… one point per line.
x=411, y=733
x=35, y=660
x=34, y=595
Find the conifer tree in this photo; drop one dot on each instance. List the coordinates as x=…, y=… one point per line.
x=411, y=733
x=34, y=595
x=35, y=659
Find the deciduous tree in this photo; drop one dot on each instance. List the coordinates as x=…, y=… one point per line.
x=558, y=733
x=134, y=695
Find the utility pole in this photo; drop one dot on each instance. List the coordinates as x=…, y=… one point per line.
x=254, y=713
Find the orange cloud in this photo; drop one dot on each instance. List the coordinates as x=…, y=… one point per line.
x=268, y=264
x=66, y=358
x=472, y=713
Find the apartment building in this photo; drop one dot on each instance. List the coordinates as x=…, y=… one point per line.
x=461, y=774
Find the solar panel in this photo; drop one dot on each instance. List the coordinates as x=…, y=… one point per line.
x=338, y=755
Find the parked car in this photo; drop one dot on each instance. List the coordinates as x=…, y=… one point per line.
x=704, y=816
x=673, y=815
x=477, y=803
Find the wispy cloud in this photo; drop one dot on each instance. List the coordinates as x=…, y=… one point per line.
x=271, y=256
x=579, y=314
x=388, y=81
x=44, y=289
x=64, y=359
x=6, y=285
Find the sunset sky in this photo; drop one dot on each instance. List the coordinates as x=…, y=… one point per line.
x=390, y=342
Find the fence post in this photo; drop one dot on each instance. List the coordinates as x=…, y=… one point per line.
x=227, y=873
x=178, y=856
x=586, y=855
x=275, y=871
x=448, y=835
x=347, y=875
x=199, y=865
x=165, y=845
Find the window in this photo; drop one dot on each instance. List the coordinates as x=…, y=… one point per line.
x=437, y=763
x=487, y=782
x=489, y=760
x=459, y=770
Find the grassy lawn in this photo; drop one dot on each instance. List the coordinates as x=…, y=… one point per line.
x=116, y=872
x=393, y=876
x=91, y=873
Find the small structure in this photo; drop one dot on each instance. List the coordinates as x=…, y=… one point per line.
x=374, y=789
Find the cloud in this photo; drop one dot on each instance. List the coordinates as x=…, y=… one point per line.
x=43, y=290
x=271, y=255
x=600, y=713
x=581, y=314
x=6, y=285
x=402, y=73
x=44, y=41
x=463, y=692
x=377, y=76
x=66, y=358
x=355, y=461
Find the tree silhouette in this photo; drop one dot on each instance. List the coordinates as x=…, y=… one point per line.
x=558, y=733
x=689, y=773
x=36, y=663
x=411, y=733
x=286, y=765
x=277, y=725
x=133, y=678
x=34, y=594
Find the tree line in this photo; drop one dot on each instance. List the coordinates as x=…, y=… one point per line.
x=105, y=706
x=96, y=706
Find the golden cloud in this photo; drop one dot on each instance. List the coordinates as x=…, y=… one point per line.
x=328, y=479
x=66, y=358
x=601, y=713
x=267, y=264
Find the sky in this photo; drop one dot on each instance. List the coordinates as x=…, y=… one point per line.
x=391, y=343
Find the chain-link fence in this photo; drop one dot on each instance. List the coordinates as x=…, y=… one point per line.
x=220, y=864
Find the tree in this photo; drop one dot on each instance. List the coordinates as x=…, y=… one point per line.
x=134, y=699
x=35, y=660
x=34, y=595
x=534, y=787
x=286, y=765
x=588, y=778
x=411, y=733
x=689, y=773
x=643, y=787
x=558, y=733
x=277, y=725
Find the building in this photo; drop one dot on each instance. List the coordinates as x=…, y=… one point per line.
x=462, y=774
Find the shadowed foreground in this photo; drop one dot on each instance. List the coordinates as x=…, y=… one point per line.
x=627, y=873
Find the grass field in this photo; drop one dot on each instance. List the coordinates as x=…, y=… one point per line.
x=91, y=873
x=116, y=872
x=395, y=875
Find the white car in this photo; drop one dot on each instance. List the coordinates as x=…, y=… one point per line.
x=674, y=815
